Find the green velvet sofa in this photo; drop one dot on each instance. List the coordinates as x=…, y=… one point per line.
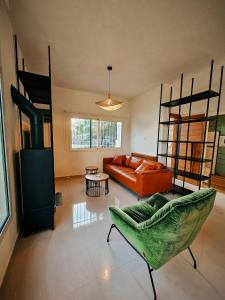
x=159, y=229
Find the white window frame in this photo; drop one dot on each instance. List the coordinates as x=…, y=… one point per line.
x=6, y=179
x=98, y=118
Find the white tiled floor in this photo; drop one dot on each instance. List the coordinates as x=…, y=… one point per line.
x=74, y=262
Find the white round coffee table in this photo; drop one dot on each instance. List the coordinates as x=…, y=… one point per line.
x=97, y=184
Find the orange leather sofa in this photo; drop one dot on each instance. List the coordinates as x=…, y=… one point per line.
x=140, y=173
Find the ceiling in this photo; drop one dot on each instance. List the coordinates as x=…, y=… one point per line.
x=146, y=41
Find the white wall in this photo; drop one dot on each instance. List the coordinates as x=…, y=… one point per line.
x=68, y=103
x=145, y=108
x=7, y=69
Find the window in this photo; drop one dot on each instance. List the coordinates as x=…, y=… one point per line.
x=91, y=133
x=4, y=199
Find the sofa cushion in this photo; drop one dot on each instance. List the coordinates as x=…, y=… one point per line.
x=118, y=160
x=159, y=165
x=118, y=169
x=145, y=167
x=127, y=160
x=135, y=162
x=154, y=165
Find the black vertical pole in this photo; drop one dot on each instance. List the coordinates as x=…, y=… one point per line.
x=51, y=122
x=215, y=130
x=18, y=87
x=205, y=129
x=187, y=143
x=23, y=66
x=90, y=134
x=168, y=128
x=178, y=133
x=159, y=118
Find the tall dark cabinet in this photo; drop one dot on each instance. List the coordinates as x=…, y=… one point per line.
x=37, y=190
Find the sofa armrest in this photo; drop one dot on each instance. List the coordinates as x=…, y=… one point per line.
x=152, y=181
x=107, y=160
x=119, y=214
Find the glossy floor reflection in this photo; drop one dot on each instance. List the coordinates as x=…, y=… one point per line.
x=74, y=262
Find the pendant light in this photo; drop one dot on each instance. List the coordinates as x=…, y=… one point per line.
x=109, y=104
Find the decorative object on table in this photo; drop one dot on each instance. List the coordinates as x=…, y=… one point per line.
x=140, y=173
x=109, y=103
x=97, y=184
x=158, y=229
x=91, y=170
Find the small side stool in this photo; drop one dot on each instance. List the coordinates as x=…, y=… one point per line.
x=91, y=170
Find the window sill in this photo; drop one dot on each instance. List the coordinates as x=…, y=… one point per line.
x=95, y=149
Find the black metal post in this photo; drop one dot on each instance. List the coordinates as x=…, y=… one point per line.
x=24, y=90
x=187, y=144
x=51, y=122
x=23, y=66
x=192, y=153
x=90, y=133
x=215, y=129
x=205, y=129
x=168, y=128
x=161, y=89
x=18, y=87
x=177, y=135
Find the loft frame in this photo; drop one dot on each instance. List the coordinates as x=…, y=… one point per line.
x=207, y=95
x=36, y=80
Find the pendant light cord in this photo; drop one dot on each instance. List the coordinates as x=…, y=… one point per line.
x=109, y=81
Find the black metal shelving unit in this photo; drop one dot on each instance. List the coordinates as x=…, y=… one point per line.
x=207, y=96
x=37, y=207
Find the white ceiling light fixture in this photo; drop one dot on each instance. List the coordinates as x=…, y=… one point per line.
x=109, y=104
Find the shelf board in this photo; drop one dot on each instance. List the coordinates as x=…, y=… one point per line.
x=185, y=142
x=196, y=97
x=189, y=158
x=38, y=87
x=191, y=120
x=191, y=175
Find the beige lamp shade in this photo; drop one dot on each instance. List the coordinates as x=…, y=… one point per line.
x=109, y=104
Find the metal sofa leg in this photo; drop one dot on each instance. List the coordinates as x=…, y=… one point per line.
x=195, y=264
x=152, y=282
x=112, y=226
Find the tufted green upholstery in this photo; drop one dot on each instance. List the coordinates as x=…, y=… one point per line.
x=160, y=228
